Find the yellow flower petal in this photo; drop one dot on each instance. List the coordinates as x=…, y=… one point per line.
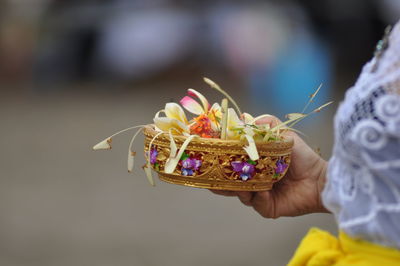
x=203, y=99
x=233, y=123
x=165, y=124
x=172, y=145
x=251, y=149
x=215, y=116
x=216, y=109
x=173, y=110
x=172, y=162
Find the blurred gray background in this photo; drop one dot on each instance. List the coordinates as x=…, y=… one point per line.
x=73, y=72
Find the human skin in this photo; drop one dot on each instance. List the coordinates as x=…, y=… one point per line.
x=298, y=193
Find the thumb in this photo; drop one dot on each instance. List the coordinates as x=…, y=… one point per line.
x=271, y=120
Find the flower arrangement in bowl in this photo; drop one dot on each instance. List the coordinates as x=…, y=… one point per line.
x=219, y=148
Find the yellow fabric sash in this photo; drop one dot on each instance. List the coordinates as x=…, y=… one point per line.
x=320, y=248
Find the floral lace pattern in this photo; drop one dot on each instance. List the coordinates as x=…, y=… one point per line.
x=363, y=187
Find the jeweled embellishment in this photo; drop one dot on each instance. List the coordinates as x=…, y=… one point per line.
x=190, y=166
x=153, y=156
x=381, y=47
x=244, y=169
x=280, y=167
x=154, y=159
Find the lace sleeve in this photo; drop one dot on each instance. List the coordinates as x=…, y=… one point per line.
x=363, y=187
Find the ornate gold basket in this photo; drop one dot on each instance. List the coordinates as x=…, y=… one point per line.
x=219, y=147
x=219, y=164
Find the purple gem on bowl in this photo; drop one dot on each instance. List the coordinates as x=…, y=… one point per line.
x=197, y=164
x=245, y=170
x=280, y=166
x=188, y=163
x=187, y=172
x=153, y=156
x=193, y=164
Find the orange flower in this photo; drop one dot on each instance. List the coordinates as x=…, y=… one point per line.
x=206, y=124
x=202, y=127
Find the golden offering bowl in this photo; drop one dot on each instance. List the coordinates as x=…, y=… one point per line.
x=219, y=164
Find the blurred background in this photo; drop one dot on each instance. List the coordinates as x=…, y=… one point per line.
x=73, y=72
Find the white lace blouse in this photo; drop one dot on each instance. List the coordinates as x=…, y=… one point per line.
x=363, y=186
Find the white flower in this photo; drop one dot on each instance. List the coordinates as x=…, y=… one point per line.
x=175, y=119
x=234, y=123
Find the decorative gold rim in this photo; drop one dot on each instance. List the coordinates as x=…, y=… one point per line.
x=222, y=151
x=216, y=185
x=219, y=146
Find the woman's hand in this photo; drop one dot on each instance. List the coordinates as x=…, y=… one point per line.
x=298, y=192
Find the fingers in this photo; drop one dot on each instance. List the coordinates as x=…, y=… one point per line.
x=245, y=197
x=274, y=121
x=264, y=204
x=271, y=120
